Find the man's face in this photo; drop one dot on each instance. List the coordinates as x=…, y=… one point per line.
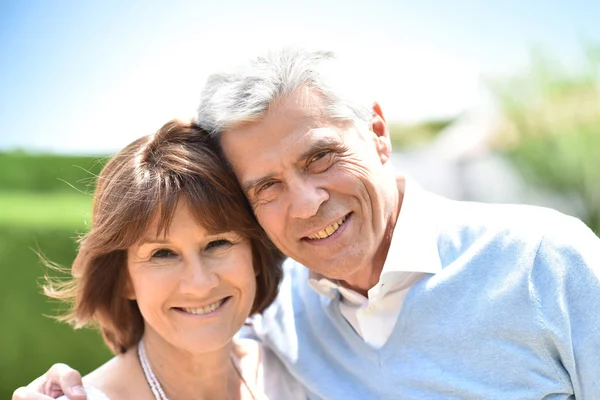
x=318, y=188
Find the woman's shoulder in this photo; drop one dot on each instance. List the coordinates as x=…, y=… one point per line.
x=92, y=394
x=118, y=378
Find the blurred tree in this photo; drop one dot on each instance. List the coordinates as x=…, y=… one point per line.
x=418, y=134
x=552, y=129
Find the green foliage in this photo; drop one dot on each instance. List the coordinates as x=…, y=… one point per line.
x=30, y=341
x=553, y=134
x=43, y=209
x=48, y=173
x=413, y=135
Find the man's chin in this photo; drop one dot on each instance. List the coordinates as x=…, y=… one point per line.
x=332, y=270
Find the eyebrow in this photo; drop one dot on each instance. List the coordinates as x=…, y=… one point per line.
x=248, y=186
x=149, y=240
x=319, y=145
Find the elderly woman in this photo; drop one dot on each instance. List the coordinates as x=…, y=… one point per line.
x=171, y=269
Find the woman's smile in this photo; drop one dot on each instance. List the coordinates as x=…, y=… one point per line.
x=205, y=311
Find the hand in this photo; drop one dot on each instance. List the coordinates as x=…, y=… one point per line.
x=60, y=379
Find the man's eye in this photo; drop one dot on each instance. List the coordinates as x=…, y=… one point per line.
x=163, y=253
x=318, y=156
x=320, y=162
x=218, y=244
x=265, y=186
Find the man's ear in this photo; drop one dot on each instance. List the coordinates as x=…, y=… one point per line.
x=379, y=126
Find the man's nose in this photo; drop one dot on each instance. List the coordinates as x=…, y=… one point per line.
x=305, y=198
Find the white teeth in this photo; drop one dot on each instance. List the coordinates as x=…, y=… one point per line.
x=322, y=234
x=204, y=310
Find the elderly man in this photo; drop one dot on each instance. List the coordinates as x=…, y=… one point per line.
x=407, y=294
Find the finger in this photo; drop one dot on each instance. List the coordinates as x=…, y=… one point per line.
x=62, y=378
x=38, y=385
x=52, y=389
x=26, y=393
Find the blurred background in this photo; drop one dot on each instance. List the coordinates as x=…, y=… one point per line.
x=496, y=102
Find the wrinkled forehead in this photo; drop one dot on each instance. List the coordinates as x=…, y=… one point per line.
x=289, y=122
x=268, y=148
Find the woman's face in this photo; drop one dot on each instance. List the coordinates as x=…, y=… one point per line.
x=194, y=288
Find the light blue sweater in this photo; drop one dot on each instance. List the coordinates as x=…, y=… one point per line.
x=514, y=314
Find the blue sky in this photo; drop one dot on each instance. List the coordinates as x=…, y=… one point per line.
x=91, y=76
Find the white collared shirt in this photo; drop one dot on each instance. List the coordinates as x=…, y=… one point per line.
x=413, y=253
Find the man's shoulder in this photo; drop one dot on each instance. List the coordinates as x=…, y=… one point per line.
x=504, y=231
x=517, y=221
x=571, y=244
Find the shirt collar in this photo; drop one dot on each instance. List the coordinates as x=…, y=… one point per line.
x=413, y=248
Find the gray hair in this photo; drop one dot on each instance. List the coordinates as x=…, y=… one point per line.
x=234, y=98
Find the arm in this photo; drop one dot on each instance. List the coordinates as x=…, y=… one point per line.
x=59, y=379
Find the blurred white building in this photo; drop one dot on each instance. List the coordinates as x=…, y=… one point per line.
x=460, y=164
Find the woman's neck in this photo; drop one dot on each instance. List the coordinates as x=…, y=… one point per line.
x=187, y=375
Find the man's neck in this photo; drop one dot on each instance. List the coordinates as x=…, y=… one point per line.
x=368, y=276
x=362, y=281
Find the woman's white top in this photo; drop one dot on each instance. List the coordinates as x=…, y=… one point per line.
x=273, y=381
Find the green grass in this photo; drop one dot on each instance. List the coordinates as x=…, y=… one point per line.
x=30, y=341
x=55, y=210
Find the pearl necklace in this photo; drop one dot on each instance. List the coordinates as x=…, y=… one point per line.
x=156, y=388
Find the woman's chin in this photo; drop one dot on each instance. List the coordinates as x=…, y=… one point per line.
x=204, y=343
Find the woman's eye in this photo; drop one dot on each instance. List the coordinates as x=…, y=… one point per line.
x=163, y=253
x=218, y=244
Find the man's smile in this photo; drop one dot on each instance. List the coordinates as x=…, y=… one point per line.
x=334, y=229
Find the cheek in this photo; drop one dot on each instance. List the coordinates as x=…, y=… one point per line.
x=251, y=289
x=130, y=292
x=150, y=290
x=242, y=274
x=270, y=220
x=356, y=166
x=351, y=177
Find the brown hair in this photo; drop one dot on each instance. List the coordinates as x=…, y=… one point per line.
x=144, y=181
